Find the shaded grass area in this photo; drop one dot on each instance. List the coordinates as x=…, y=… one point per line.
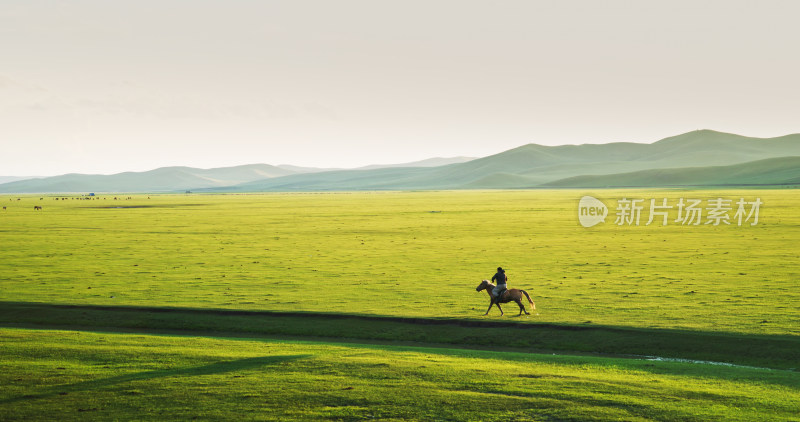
x=209, y=369
x=69, y=375
x=771, y=351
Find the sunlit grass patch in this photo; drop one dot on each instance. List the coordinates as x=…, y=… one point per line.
x=387, y=253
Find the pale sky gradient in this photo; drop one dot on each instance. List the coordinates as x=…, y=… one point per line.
x=102, y=86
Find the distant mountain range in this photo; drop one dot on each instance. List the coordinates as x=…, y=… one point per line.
x=172, y=179
x=699, y=158
x=158, y=180
x=536, y=166
x=7, y=179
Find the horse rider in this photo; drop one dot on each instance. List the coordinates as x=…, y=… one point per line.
x=501, y=278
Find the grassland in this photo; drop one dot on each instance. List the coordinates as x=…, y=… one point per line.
x=85, y=375
x=410, y=255
x=397, y=266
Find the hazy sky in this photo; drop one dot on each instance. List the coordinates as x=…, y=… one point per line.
x=109, y=86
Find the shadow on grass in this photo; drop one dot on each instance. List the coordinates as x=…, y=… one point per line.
x=193, y=371
x=768, y=351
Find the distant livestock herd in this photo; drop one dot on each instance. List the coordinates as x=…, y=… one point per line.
x=88, y=198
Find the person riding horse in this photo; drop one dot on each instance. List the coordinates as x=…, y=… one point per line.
x=501, y=278
x=510, y=295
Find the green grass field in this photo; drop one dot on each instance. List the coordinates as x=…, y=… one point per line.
x=80, y=375
x=391, y=269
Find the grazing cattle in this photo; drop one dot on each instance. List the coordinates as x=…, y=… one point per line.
x=4, y=208
x=36, y=207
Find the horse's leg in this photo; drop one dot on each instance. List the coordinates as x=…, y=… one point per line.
x=521, y=307
x=491, y=302
x=501, y=309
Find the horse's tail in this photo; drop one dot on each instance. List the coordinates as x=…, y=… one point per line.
x=533, y=305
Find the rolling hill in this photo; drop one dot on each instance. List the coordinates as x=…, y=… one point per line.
x=161, y=179
x=430, y=162
x=533, y=165
x=674, y=161
x=170, y=179
x=770, y=171
x=9, y=179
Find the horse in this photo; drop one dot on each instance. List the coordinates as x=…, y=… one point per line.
x=36, y=207
x=505, y=297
